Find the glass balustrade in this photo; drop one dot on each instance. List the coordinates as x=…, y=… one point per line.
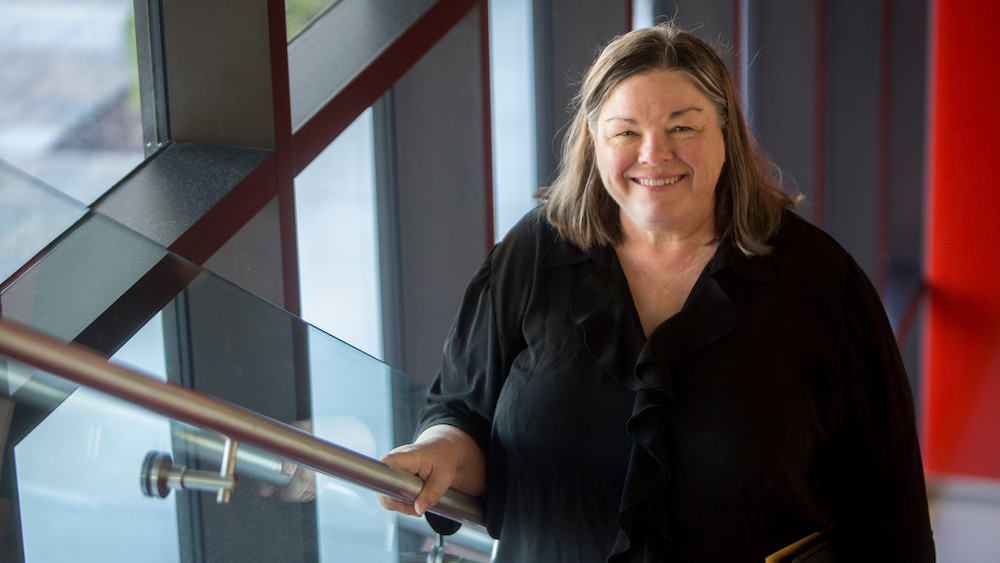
x=88, y=477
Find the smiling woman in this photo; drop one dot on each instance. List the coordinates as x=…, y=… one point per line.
x=660, y=151
x=748, y=200
x=663, y=361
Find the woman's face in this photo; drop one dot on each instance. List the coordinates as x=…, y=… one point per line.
x=660, y=150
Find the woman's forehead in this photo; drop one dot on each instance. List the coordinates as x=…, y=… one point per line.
x=663, y=93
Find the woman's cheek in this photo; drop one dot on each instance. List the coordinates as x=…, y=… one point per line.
x=618, y=160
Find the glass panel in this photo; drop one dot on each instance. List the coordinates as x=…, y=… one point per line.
x=335, y=217
x=69, y=104
x=90, y=491
x=298, y=13
x=77, y=455
x=32, y=218
x=513, y=101
x=77, y=485
x=355, y=413
x=144, y=351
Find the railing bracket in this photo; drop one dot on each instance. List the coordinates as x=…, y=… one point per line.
x=159, y=475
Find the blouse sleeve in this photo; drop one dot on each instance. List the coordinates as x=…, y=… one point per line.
x=884, y=511
x=479, y=350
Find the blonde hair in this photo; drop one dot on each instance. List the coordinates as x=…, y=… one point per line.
x=749, y=201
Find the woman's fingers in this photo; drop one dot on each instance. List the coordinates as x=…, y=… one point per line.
x=403, y=460
x=396, y=506
x=430, y=494
x=435, y=486
x=443, y=457
x=302, y=487
x=432, y=464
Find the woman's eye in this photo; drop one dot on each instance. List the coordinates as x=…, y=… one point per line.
x=626, y=133
x=682, y=129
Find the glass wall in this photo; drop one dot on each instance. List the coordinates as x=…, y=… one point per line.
x=28, y=231
x=78, y=486
x=69, y=101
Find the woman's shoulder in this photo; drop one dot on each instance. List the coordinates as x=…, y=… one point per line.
x=800, y=248
x=529, y=242
x=532, y=229
x=532, y=252
x=796, y=229
x=798, y=238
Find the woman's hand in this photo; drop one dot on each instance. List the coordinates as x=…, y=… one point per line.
x=302, y=486
x=444, y=457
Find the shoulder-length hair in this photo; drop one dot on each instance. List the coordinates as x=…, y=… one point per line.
x=749, y=201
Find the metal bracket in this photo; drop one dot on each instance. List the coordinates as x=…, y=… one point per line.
x=159, y=475
x=437, y=554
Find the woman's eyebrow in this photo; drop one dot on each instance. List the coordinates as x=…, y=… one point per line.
x=627, y=120
x=680, y=112
x=673, y=115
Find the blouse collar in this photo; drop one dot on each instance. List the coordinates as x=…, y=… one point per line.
x=758, y=268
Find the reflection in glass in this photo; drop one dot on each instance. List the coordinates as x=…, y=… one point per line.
x=69, y=104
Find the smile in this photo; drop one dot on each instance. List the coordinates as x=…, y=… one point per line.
x=653, y=182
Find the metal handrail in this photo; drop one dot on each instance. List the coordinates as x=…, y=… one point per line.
x=85, y=367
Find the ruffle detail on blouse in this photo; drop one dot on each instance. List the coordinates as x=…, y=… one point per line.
x=614, y=337
x=602, y=308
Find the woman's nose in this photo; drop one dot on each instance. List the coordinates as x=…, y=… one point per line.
x=655, y=149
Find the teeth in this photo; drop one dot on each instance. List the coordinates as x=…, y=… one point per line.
x=658, y=182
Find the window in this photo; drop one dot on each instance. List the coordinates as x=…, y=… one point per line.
x=69, y=103
x=512, y=85
x=338, y=260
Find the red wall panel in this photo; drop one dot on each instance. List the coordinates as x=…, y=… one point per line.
x=962, y=332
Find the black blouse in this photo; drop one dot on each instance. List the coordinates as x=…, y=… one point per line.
x=772, y=405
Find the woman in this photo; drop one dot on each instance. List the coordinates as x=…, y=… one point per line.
x=663, y=362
